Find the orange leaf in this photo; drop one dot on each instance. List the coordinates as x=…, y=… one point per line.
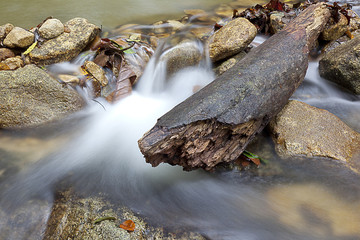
x=128, y=225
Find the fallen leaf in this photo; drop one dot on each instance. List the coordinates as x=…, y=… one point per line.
x=32, y=46
x=128, y=225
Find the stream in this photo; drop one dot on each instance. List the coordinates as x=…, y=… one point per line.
x=96, y=150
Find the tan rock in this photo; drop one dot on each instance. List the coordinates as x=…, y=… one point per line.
x=315, y=209
x=66, y=46
x=69, y=78
x=334, y=30
x=96, y=71
x=231, y=39
x=4, y=30
x=14, y=62
x=300, y=129
x=6, y=53
x=31, y=97
x=51, y=28
x=19, y=37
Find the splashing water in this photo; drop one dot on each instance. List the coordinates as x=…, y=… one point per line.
x=105, y=157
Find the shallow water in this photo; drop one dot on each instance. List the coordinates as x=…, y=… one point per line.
x=107, y=13
x=96, y=150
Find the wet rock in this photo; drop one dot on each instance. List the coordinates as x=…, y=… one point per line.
x=6, y=53
x=51, y=28
x=229, y=63
x=231, y=39
x=73, y=217
x=19, y=37
x=333, y=30
x=66, y=46
x=13, y=62
x=96, y=71
x=31, y=97
x=315, y=209
x=335, y=43
x=300, y=129
x=4, y=30
x=185, y=54
x=342, y=65
x=69, y=79
x=276, y=22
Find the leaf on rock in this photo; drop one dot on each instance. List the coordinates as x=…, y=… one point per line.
x=128, y=225
x=32, y=46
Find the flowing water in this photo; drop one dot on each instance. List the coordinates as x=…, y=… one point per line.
x=96, y=151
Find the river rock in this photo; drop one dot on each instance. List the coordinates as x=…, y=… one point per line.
x=185, y=54
x=300, y=129
x=231, y=39
x=316, y=209
x=4, y=30
x=19, y=37
x=6, y=53
x=66, y=46
x=13, y=62
x=51, y=28
x=335, y=29
x=96, y=71
x=342, y=65
x=30, y=97
x=73, y=217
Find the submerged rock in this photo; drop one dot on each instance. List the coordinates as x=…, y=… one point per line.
x=66, y=46
x=19, y=37
x=300, y=129
x=342, y=65
x=51, y=28
x=30, y=97
x=231, y=39
x=315, y=209
x=73, y=217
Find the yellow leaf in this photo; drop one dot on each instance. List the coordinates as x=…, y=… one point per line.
x=30, y=48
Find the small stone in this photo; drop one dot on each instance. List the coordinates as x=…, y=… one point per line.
x=19, y=37
x=334, y=30
x=175, y=25
x=6, y=53
x=51, y=28
x=300, y=129
x=69, y=78
x=14, y=62
x=4, y=30
x=97, y=72
x=231, y=39
x=276, y=23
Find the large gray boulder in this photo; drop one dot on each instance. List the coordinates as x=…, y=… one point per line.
x=231, y=39
x=342, y=65
x=30, y=97
x=302, y=130
x=79, y=33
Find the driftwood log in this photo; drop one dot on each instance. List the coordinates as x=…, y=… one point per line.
x=216, y=124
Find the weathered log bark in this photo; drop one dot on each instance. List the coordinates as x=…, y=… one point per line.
x=215, y=124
